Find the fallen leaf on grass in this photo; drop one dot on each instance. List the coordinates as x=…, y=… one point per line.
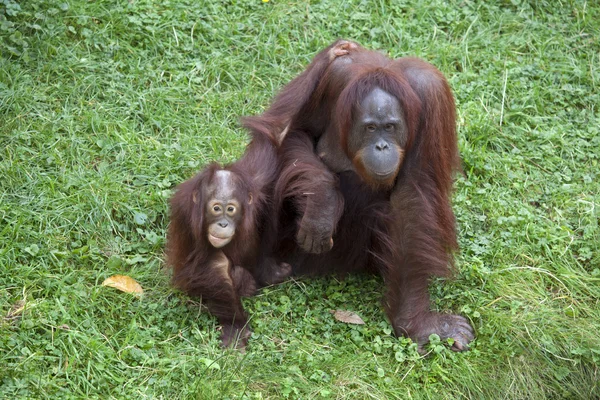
x=347, y=317
x=123, y=283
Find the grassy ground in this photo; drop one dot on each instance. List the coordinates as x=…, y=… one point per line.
x=106, y=105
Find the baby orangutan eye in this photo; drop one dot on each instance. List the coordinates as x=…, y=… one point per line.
x=217, y=209
x=230, y=209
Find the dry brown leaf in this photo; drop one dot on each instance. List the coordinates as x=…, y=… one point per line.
x=347, y=317
x=123, y=283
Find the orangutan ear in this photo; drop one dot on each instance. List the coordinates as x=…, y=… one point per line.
x=250, y=198
x=195, y=197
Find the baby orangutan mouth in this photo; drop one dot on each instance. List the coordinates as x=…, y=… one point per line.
x=219, y=242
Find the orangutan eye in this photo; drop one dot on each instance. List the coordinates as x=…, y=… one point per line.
x=370, y=128
x=231, y=209
x=217, y=209
x=389, y=127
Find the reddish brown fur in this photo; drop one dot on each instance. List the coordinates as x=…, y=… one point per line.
x=406, y=232
x=222, y=276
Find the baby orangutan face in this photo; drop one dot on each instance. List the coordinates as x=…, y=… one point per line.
x=225, y=200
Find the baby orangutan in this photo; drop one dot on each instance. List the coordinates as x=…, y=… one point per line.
x=218, y=236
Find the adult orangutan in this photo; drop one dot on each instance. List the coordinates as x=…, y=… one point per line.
x=367, y=154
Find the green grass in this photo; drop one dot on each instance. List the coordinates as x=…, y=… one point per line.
x=106, y=106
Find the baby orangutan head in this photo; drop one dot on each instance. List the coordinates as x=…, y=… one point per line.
x=224, y=201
